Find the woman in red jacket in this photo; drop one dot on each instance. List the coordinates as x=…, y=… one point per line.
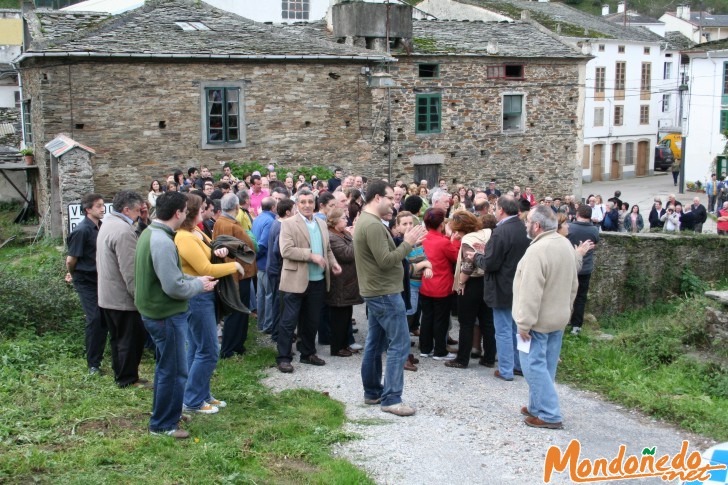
x=435, y=293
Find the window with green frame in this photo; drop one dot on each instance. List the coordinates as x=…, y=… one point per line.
x=27, y=125
x=512, y=112
x=723, y=120
x=725, y=84
x=428, y=116
x=223, y=114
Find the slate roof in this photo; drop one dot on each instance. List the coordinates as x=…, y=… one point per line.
x=152, y=31
x=467, y=38
x=570, y=21
x=716, y=45
x=708, y=20
x=514, y=39
x=677, y=41
x=632, y=18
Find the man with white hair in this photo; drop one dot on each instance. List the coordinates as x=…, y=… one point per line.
x=700, y=215
x=441, y=200
x=544, y=289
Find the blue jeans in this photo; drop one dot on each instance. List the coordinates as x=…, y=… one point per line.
x=201, y=349
x=539, y=369
x=414, y=298
x=505, y=342
x=170, y=375
x=387, y=332
x=261, y=302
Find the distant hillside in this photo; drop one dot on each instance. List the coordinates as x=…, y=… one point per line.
x=9, y=3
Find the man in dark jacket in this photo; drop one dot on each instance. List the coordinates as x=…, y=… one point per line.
x=655, y=214
x=611, y=218
x=504, y=250
x=700, y=214
x=579, y=231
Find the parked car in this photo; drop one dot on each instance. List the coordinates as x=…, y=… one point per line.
x=663, y=158
x=673, y=141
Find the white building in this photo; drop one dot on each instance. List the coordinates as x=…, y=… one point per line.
x=697, y=26
x=631, y=18
x=11, y=40
x=707, y=116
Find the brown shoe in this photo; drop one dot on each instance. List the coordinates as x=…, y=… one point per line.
x=285, y=367
x=499, y=376
x=524, y=411
x=412, y=359
x=410, y=366
x=143, y=384
x=342, y=353
x=312, y=360
x=452, y=341
x=535, y=422
x=455, y=364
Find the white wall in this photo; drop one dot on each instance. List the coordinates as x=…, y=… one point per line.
x=7, y=95
x=702, y=130
x=449, y=10
x=674, y=24
x=669, y=119
x=631, y=129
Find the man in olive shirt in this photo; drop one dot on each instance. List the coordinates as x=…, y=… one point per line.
x=380, y=273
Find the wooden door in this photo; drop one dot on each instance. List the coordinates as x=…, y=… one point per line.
x=614, y=169
x=642, y=158
x=431, y=173
x=596, y=171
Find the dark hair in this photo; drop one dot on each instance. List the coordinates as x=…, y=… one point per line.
x=325, y=198
x=168, y=203
x=376, y=188
x=524, y=205
x=88, y=201
x=625, y=206
x=284, y=206
x=281, y=190
x=172, y=184
x=489, y=221
x=224, y=185
x=355, y=194
x=216, y=194
x=194, y=202
x=413, y=204
x=126, y=198
x=508, y=205
x=151, y=186
x=465, y=222
x=434, y=217
x=584, y=211
x=482, y=206
x=191, y=170
x=176, y=175
x=227, y=165
x=638, y=207
x=253, y=178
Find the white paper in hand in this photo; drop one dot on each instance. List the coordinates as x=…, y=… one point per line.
x=523, y=345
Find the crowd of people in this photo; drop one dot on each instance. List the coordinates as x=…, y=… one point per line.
x=181, y=270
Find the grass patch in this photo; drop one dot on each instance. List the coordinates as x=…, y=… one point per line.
x=59, y=425
x=660, y=362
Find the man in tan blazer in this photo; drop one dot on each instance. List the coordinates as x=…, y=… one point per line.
x=307, y=260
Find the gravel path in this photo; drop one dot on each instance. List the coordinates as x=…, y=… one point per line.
x=468, y=428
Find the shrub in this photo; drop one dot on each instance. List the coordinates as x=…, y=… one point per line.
x=243, y=169
x=41, y=302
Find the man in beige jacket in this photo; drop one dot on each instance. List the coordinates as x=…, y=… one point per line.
x=541, y=310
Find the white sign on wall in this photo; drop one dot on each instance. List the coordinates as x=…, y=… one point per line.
x=75, y=215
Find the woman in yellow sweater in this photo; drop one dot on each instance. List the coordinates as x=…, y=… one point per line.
x=202, y=349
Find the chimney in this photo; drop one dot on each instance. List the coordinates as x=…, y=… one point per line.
x=605, y=9
x=685, y=12
x=620, y=7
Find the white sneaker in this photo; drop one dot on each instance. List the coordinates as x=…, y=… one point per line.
x=576, y=331
x=424, y=356
x=356, y=346
x=399, y=409
x=449, y=356
x=216, y=402
x=204, y=409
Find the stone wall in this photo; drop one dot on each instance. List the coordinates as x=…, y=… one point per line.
x=472, y=143
x=12, y=116
x=76, y=177
x=144, y=119
x=633, y=271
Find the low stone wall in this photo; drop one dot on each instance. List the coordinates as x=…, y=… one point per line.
x=632, y=271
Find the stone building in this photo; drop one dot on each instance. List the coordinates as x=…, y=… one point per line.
x=178, y=83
